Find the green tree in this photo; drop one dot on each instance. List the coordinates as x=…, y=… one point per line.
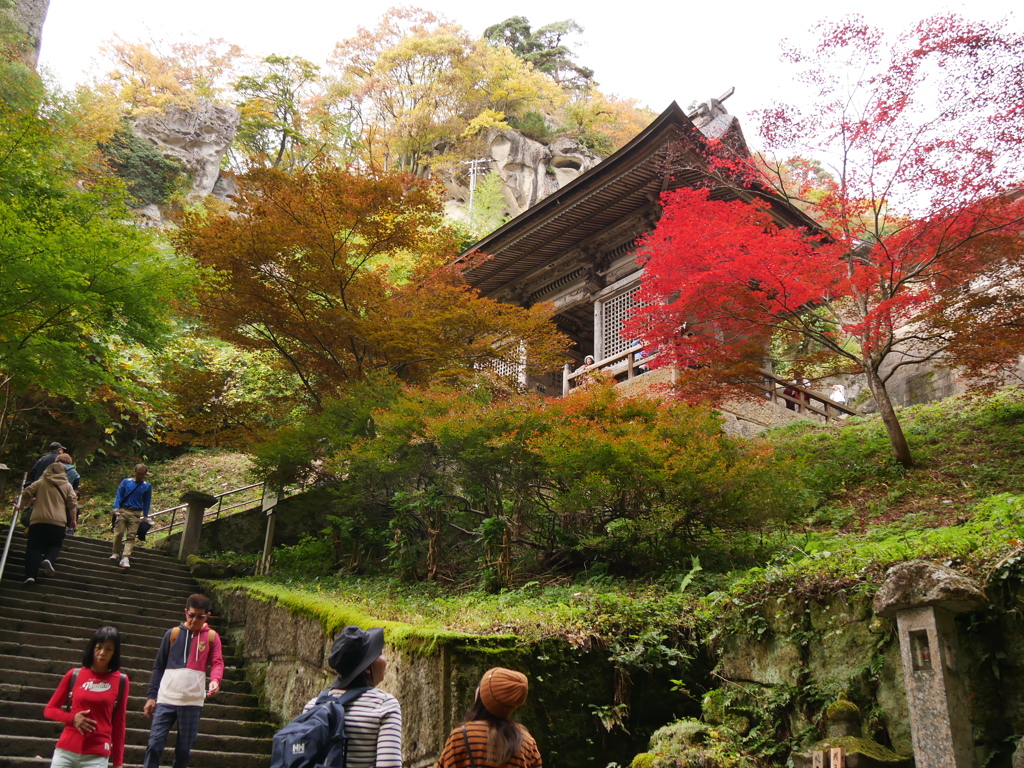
x=490, y=210
x=78, y=281
x=279, y=127
x=545, y=49
x=483, y=480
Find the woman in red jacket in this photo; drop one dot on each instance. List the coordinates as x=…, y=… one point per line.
x=92, y=702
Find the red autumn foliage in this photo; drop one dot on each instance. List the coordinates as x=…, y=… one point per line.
x=922, y=223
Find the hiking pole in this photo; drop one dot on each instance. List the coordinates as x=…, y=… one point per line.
x=14, y=523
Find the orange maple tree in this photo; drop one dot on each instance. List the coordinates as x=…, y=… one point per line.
x=917, y=259
x=345, y=275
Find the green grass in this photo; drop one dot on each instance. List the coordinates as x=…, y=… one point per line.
x=965, y=450
x=211, y=471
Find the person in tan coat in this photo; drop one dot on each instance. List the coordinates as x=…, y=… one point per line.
x=56, y=508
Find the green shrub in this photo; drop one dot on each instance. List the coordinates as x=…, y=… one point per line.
x=150, y=176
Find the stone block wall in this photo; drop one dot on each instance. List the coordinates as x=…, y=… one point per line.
x=742, y=418
x=840, y=646
x=435, y=679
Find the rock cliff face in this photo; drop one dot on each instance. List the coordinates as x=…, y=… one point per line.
x=31, y=14
x=198, y=137
x=530, y=170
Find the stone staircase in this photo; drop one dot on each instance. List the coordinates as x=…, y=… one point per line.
x=45, y=627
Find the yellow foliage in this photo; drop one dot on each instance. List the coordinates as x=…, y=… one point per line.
x=486, y=119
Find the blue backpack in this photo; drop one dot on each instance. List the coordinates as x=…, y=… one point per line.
x=317, y=736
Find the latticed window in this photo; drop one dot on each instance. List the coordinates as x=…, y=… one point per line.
x=614, y=313
x=512, y=367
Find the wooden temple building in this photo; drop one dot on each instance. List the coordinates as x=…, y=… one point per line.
x=575, y=248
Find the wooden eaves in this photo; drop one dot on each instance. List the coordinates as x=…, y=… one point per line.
x=626, y=185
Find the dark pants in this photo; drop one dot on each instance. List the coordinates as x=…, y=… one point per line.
x=44, y=542
x=188, y=729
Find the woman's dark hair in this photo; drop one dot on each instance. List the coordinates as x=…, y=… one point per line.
x=102, y=635
x=504, y=737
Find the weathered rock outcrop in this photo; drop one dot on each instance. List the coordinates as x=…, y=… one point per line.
x=198, y=137
x=529, y=170
x=31, y=14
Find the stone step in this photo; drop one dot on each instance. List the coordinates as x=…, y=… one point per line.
x=116, y=584
x=17, y=595
x=68, y=656
x=145, y=648
x=24, y=711
x=40, y=696
x=14, y=664
x=47, y=626
x=24, y=762
x=30, y=746
x=84, y=547
x=139, y=735
x=167, y=573
x=48, y=681
x=53, y=622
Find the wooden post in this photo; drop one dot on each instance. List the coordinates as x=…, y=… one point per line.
x=270, y=498
x=198, y=502
x=837, y=758
x=566, y=370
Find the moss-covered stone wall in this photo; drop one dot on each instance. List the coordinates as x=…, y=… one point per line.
x=434, y=674
x=779, y=664
x=244, y=532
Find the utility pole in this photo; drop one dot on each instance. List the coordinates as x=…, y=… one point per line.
x=478, y=166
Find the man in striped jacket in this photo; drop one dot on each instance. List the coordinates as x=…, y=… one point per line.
x=177, y=687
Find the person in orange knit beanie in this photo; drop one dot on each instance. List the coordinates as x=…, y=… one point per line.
x=487, y=738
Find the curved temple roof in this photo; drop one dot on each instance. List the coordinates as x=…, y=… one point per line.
x=627, y=182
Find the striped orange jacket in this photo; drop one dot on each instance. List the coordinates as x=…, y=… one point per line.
x=455, y=754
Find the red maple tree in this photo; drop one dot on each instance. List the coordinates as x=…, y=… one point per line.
x=917, y=258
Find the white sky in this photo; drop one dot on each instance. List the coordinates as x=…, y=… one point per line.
x=654, y=52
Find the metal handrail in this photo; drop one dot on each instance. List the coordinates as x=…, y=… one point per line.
x=214, y=514
x=14, y=524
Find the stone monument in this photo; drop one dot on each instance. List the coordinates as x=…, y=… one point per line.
x=923, y=597
x=845, y=746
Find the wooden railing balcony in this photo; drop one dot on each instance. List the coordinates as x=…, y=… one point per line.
x=623, y=366
x=805, y=401
x=626, y=365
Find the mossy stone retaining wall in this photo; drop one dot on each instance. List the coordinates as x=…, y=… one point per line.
x=806, y=653
x=244, y=532
x=434, y=675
